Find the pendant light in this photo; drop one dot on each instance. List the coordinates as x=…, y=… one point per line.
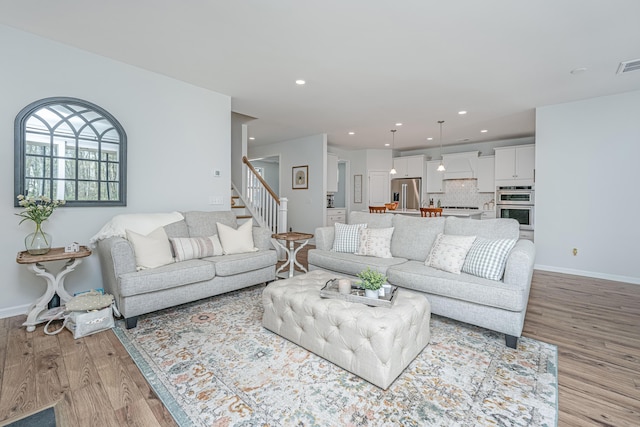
x=393, y=170
x=441, y=167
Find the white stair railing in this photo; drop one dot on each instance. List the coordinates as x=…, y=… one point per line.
x=265, y=206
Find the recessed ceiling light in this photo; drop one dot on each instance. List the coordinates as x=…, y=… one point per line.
x=252, y=138
x=484, y=131
x=300, y=82
x=462, y=112
x=429, y=139
x=398, y=124
x=352, y=133
x=387, y=144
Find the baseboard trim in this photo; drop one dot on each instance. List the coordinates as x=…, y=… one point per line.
x=14, y=311
x=595, y=275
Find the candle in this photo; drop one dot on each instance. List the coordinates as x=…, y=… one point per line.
x=344, y=286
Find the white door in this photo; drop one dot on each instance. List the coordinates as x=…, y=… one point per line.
x=378, y=188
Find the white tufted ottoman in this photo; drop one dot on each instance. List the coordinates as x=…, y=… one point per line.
x=375, y=343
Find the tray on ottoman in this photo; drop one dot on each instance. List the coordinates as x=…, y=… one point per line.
x=330, y=290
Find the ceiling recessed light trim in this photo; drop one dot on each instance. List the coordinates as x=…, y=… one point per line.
x=352, y=133
x=462, y=112
x=300, y=82
x=484, y=131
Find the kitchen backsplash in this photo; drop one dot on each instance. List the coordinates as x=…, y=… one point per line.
x=460, y=192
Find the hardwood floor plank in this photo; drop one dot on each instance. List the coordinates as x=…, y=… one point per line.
x=160, y=412
x=92, y=406
x=78, y=365
x=51, y=382
x=18, y=384
x=121, y=390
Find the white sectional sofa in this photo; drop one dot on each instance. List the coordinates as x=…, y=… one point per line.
x=499, y=305
x=139, y=291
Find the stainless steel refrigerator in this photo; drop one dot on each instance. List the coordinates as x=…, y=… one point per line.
x=407, y=192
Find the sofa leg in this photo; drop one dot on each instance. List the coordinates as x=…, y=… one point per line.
x=511, y=341
x=131, y=322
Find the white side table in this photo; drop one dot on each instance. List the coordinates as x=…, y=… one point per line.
x=291, y=250
x=55, y=283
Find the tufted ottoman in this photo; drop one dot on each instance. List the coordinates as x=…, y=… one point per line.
x=375, y=343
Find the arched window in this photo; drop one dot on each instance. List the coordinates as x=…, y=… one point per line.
x=67, y=148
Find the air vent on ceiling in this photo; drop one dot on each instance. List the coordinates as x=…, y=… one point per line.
x=627, y=66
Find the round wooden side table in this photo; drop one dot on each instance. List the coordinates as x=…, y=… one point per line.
x=291, y=251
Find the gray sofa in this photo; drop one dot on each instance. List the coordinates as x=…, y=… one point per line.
x=496, y=305
x=144, y=291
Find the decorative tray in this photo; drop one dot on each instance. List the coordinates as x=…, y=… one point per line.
x=330, y=290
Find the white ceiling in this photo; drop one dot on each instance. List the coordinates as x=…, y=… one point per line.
x=368, y=63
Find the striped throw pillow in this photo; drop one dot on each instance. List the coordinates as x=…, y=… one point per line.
x=488, y=258
x=347, y=237
x=185, y=248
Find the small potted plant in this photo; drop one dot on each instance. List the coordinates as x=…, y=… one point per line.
x=371, y=281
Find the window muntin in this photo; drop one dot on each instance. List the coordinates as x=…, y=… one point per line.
x=70, y=149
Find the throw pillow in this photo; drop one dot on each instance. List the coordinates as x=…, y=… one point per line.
x=186, y=248
x=236, y=241
x=487, y=258
x=347, y=237
x=449, y=252
x=152, y=250
x=375, y=242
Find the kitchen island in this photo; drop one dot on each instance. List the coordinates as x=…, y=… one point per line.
x=461, y=213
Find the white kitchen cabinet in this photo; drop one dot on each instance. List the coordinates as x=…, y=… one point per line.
x=486, y=174
x=434, y=178
x=515, y=165
x=332, y=173
x=409, y=166
x=336, y=215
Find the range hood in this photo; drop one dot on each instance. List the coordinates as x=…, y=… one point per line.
x=461, y=165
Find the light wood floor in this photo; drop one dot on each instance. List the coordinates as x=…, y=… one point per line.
x=93, y=381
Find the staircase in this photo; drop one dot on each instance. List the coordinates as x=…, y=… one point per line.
x=259, y=202
x=239, y=208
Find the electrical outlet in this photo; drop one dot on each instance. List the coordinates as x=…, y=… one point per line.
x=575, y=251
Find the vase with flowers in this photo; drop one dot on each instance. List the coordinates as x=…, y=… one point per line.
x=37, y=209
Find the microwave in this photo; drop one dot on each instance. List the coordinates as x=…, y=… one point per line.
x=516, y=195
x=524, y=214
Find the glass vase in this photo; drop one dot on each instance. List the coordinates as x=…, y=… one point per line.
x=38, y=242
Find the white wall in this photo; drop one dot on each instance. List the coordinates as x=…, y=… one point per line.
x=177, y=135
x=587, y=197
x=307, y=208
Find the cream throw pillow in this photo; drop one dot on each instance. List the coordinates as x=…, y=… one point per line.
x=236, y=241
x=449, y=252
x=196, y=247
x=375, y=242
x=152, y=250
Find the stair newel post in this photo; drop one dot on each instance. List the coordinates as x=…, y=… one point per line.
x=282, y=216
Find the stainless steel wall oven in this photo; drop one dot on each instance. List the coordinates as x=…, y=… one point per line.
x=516, y=203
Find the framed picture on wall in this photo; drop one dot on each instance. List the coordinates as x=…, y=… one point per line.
x=300, y=177
x=357, y=189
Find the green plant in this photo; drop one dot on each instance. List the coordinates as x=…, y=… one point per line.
x=371, y=279
x=37, y=209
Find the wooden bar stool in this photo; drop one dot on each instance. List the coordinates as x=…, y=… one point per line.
x=377, y=209
x=426, y=212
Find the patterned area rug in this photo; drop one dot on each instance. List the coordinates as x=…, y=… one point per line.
x=213, y=364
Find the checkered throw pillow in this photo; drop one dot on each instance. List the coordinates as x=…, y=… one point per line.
x=347, y=237
x=488, y=258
